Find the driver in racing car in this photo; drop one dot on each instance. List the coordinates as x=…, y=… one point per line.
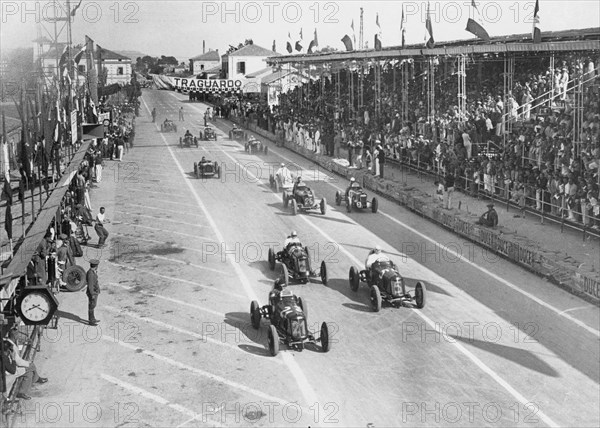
x=203, y=160
x=284, y=174
x=375, y=255
x=353, y=185
x=291, y=240
x=188, y=134
x=298, y=183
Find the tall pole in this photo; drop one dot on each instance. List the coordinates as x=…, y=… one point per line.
x=360, y=34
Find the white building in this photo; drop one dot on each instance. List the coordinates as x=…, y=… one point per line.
x=202, y=63
x=117, y=66
x=247, y=60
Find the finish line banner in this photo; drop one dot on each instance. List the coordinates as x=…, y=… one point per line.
x=205, y=85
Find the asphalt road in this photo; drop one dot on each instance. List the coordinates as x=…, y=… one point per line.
x=494, y=346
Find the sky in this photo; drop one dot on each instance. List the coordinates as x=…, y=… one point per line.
x=177, y=28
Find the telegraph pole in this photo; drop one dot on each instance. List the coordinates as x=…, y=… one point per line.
x=361, y=33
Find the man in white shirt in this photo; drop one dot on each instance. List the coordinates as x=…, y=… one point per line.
x=99, y=227
x=291, y=240
x=375, y=255
x=284, y=174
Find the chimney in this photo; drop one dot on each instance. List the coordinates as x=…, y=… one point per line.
x=203, y=47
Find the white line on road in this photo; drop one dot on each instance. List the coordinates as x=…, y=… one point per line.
x=157, y=399
x=307, y=391
x=185, y=281
x=183, y=262
x=461, y=348
x=161, y=219
x=199, y=372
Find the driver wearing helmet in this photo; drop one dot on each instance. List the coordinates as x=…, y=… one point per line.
x=291, y=240
x=188, y=133
x=375, y=255
x=203, y=159
x=284, y=174
x=353, y=185
x=298, y=183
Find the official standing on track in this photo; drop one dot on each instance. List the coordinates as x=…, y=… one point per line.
x=93, y=291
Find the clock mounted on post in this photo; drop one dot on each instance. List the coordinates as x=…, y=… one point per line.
x=36, y=305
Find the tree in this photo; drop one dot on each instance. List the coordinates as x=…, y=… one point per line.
x=326, y=49
x=168, y=60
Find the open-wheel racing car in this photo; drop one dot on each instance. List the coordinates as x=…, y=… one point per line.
x=287, y=314
x=206, y=168
x=236, y=134
x=168, y=126
x=357, y=198
x=208, y=134
x=386, y=284
x=188, y=140
x=302, y=198
x=277, y=182
x=295, y=263
x=253, y=145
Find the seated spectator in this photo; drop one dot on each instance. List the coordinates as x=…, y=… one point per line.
x=489, y=218
x=17, y=367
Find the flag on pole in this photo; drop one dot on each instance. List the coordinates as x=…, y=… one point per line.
x=314, y=43
x=429, y=40
x=274, y=46
x=403, y=26
x=289, y=43
x=536, y=34
x=474, y=25
x=8, y=221
x=300, y=42
x=64, y=57
x=350, y=41
x=377, y=43
x=75, y=8
x=79, y=54
x=7, y=189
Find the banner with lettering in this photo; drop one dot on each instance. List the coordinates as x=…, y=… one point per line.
x=207, y=85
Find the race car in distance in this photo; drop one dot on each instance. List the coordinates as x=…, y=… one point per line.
x=357, y=198
x=296, y=265
x=302, y=198
x=168, y=126
x=188, y=140
x=287, y=314
x=253, y=145
x=386, y=283
x=236, y=134
x=206, y=168
x=208, y=134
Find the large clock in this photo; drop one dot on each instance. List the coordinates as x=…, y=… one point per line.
x=36, y=305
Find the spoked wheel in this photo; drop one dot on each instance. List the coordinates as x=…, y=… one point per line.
x=255, y=314
x=338, y=198
x=323, y=273
x=294, y=207
x=323, y=206
x=353, y=279
x=420, y=295
x=375, y=298
x=273, y=340
x=374, y=205
x=325, y=342
x=348, y=205
x=286, y=274
x=75, y=278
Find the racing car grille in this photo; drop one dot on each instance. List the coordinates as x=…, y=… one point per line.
x=302, y=265
x=298, y=329
x=363, y=200
x=397, y=287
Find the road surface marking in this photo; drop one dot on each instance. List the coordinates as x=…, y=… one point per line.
x=160, y=230
x=307, y=391
x=170, y=278
x=199, y=372
x=161, y=209
x=458, y=346
x=578, y=308
x=183, y=262
x=195, y=418
x=157, y=399
x=161, y=219
x=176, y=301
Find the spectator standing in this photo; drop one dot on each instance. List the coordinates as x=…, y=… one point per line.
x=467, y=143
x=448, y=190
x=381, y=158
x=93, y=291
x=99, y=227
x=181, y=118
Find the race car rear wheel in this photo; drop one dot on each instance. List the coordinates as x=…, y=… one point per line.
x=323, y=206
x=325, y=342
x=196, y=169
x=273, y=340
x=420, y=295
x=338, y=198
x=286, y=274
x=218, y=171
x=323, y=272
x=271, y=259
x=303, y=306
x=375, y=298
x=354, y=279
x=285, y=199
x=374, y=205
x=75, y=278
x=294, y=207
x=255, y=314
x=348, y=205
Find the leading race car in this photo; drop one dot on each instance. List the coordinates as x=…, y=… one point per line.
x=302, y=198
x=236, y=134
x=253, y=145
x=208, y=134
x=206, y=168
x=357, y=198
x=188, y=140
x=296, y=265
x=287, y=314
x=386, y=284
x=168, y=126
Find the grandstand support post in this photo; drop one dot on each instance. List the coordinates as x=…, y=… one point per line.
x=462, y=89
x=352, y=100
x=361, y=100
x=338, y=91
x=377, y=91
x=431, y=90
x=404, y=72
x=509, y=70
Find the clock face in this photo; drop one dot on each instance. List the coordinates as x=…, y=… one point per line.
x=35, y=307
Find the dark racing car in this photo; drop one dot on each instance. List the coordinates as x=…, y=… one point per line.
x=208, y=134
x=287, y=314
x=386, y=284
x=357, y=199
x=253, y=146
x=302, y=198
x=296, y=264
x=206, y=168
x=237, y=134
x=188, y=140
x=168, y=126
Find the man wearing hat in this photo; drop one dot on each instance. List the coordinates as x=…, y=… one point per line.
x=64, y=255
x=93, y=290
x=489, y=218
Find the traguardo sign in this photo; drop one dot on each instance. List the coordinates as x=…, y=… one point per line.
x=207, y=84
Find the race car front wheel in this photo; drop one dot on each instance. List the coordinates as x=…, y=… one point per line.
x=273, y=340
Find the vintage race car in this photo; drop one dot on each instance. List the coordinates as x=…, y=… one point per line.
x=207, y=168
x=303, y=199
x=357, y=198
x=188, y=141
x=287, y=314
x=237, y=134
x=168, y=126
x=208, y=134
x=276, y=182
x=296, y=265
x=386, y=284
x=253, y=145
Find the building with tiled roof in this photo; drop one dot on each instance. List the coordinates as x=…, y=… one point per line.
x=206, y=61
